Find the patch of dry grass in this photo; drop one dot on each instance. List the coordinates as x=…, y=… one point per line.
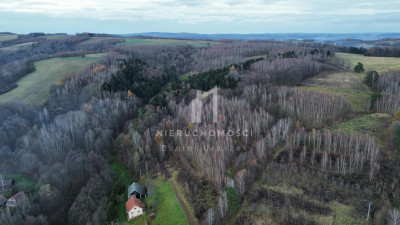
x=379, y=64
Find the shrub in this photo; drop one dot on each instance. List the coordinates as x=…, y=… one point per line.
x=375, y=97
x=397, y=141
x=233, y=200
x=371, y=78
x=359, y=68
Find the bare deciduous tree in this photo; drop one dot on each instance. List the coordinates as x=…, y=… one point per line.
x=393, y=217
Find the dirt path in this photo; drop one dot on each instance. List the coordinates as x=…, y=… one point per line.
x=185, y=207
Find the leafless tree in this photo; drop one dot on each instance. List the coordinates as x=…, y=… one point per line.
x=240, y=180
x=223, y=204
x=393, y=217
x=210, y=216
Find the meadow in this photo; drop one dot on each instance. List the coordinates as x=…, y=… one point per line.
x=379, y=64
x=22, y=183
x=167, y=208
x=350, y=84
x=7, y=37
x=18, y=46
x=34, y=87
x=149, y=42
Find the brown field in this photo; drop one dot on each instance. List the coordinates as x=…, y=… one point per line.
x=346, y=81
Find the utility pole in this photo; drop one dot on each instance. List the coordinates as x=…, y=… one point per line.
x=369, y=208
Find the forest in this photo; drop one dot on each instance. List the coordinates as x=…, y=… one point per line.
x=295, y=168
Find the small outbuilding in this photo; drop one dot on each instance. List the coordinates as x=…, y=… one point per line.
x=134, y=208
x=6, y=184
x=137, y=191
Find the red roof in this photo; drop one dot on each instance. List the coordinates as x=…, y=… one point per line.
x=132, y=202
x=18, y=197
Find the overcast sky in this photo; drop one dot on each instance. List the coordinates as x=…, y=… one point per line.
x=199, y=16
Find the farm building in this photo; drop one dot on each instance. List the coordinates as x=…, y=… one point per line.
x=134, y=208
x=16, y=199
x=2, y=201
x=136, y=190
x=6, y=184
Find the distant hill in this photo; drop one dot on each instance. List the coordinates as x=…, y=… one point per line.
x=277, y=36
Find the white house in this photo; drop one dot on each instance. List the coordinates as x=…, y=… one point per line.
x=17, y=199
x=134, y=208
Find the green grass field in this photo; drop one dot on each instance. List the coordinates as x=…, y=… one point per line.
x=22, y=183
x=355, y=98
x=18, y=46
x=350, y=84
x=149, y=42
x=34, y=87
x=379, y=64
x=97, y=40
x=55, y=36
x=168, y=210
x=7, y=37
x=372, y=124
x=345, y=215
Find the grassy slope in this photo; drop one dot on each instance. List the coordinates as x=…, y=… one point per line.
x=379, y=64
x=168, y=210
x=375, y=125
x=34, y=88
x=137, y=41
x=371, y=124
x=96, y=40
x=22, y=183
x=351, y=84
x=56, y=36
x=18, y=46
x=186, y=207
x=7, y=37
x=355, y=98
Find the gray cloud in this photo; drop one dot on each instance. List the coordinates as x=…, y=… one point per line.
x=281, y=13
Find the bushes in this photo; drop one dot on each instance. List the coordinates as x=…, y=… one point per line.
x=371, y=78
x=233, y=200
x=112, y=209
x=280, y=200
x=359, y=68
x=208, y=80
x=375, y=97
x=397, y=141
x=198, y=192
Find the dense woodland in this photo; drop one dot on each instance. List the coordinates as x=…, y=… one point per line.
x=111, y=111
x=388, y=51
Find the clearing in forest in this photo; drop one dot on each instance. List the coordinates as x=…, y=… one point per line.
x=379, y=64
x=167, y=208
x=375, y=125
x=149, y=42
x=7, y=37
x=350, y=84
x=34, y=87
x=18, y=46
